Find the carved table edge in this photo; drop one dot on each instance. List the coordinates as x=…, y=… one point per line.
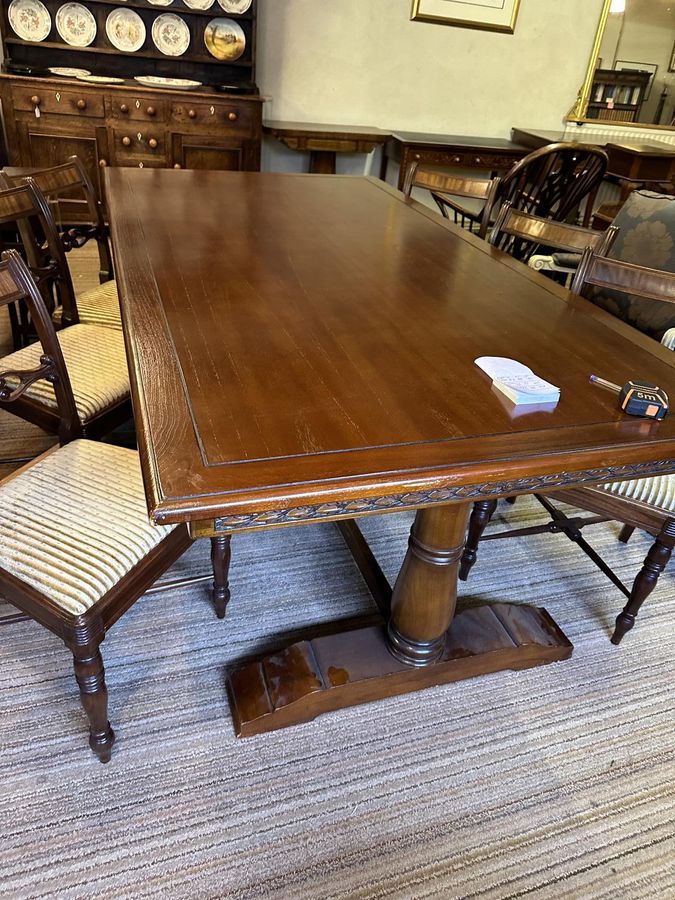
x=343, y=509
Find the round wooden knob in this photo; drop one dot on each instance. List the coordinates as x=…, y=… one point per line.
x=233, y=116
x=126, y=141
x=192, y=114
x=81, y=104
x=102, y=163
x=35, y=100
x=152, y=143
x=177, y=166
x=124, y=108
x=150, y=110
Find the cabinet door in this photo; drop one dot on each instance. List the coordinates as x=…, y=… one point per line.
x=194, y=151
x=43, y=146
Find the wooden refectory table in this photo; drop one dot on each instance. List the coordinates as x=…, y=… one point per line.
x=301, y=349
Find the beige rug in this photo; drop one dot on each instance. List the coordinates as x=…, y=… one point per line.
x=554, y=782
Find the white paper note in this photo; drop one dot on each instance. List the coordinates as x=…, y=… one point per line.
x=517, y=381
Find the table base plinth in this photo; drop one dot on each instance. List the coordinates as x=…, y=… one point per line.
x=334, y=671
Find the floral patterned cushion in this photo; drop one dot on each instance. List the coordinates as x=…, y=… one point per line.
x=646, y=237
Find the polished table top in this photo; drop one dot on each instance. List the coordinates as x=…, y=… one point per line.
x=307, y=341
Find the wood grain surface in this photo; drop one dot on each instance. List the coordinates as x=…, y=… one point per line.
x=298, y=340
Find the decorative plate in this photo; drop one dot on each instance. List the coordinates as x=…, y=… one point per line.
x=235, y=6
x=224, y=39
x=67, y=72
x=100, y=79
x=161, y=2
x=199, y=4
x=29, y=19
x=75, y=24
x=125, y=30
x=159, y=81
x=170, y=34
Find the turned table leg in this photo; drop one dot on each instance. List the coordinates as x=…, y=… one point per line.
x=221, y=554
x=423, y=602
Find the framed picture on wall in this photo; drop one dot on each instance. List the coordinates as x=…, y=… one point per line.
x=671, y=67
x=624, y=64
x=489, y=15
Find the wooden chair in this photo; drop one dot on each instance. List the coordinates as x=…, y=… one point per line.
x=440, y=185
x=68, y=187
x=76, y=546
x=523, y=234
x=645, y=503
x=75, y=384
x=550, y=182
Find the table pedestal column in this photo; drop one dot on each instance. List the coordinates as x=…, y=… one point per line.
x=421, y=645
x=423, y=602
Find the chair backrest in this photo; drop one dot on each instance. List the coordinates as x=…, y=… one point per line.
x=552, y=181
x=523, y=234
x=646, y=223
x=439, y=183
x=68, y=187
x=628, y=278
x=18, y=285
x=26, y=209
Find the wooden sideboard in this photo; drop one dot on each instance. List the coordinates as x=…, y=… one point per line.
x=47, y=120
x=490, y=155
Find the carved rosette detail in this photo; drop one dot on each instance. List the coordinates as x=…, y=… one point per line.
x=417, y=499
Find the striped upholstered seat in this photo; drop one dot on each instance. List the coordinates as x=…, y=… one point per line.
x=658, y=492
x=100, y=306
x=96, y=364
x=75, y=523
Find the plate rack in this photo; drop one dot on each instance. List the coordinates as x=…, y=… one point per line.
x=102, y=58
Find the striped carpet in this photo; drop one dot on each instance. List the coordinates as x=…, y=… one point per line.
x=553, y=782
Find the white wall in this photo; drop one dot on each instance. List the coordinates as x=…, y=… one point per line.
x=363, y=62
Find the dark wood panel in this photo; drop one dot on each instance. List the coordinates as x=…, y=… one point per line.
x=40, y=149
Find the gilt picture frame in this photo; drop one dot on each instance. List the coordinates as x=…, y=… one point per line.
x=487, y=15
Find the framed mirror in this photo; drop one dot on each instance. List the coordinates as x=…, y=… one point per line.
x=631, y=73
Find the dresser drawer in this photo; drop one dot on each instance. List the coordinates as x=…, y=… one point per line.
x=137, y=109
x=235, y=118
x=131, y=146
x=57, y=102
x=466, y=159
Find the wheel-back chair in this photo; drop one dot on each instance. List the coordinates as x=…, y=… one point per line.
x=550, y=182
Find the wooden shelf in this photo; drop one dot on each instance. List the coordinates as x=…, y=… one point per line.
x=144, y=53
x=215, y=12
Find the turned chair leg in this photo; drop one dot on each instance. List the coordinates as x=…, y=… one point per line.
x=626, y=533
x=481, y=514
x=220, y=560
x=645, y=581
x=90, y=676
